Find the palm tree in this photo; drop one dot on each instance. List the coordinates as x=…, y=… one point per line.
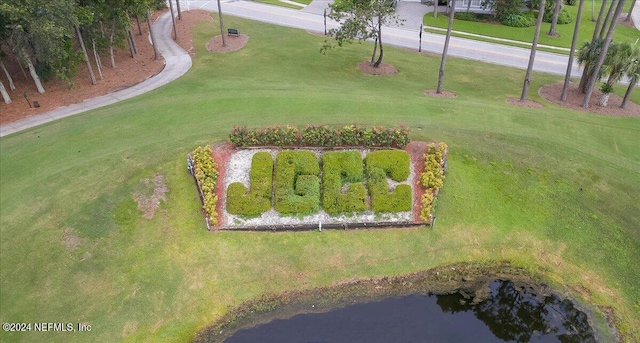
x=446, y=47
x=534, y=47
x=633, y=73
x=605, y=48
x=617, y=61
x=587, y=56
x=574, y=41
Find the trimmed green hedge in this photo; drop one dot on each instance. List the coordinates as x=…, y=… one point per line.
x=395, y=164
x=340, y=168
x=258, y=199
x=205, y=171
x=297, y=183
x=321, y=136
x=432, y=178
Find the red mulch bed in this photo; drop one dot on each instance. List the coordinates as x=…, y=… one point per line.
x=221, y=153
x=416, y=151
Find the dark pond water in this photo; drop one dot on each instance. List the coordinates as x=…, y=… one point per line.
x=509, y=314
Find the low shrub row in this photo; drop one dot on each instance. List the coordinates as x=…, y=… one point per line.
x=395, y=164
x=257, y=199
x=342, y=168
x=320, y=136
x=205, y=171
x=466, y=16
x=297, y=183
x=432, y=178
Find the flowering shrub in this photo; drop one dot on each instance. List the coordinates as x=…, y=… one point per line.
x=206, y=175
x=320, y=135
x=432, y=177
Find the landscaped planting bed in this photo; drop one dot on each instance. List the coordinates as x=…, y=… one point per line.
x=302, y=188
x=314, y=186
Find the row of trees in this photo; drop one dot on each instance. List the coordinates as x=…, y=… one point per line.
x=363, y=19
x=50, y=37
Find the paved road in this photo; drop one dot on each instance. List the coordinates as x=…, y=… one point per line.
x=403, y=36
x=178, y=62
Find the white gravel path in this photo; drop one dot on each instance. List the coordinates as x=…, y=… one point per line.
x=238, y=171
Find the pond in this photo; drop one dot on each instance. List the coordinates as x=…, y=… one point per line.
x=509, y=313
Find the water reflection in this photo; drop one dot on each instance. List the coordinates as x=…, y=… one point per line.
x=517, y=314
x=510, y=313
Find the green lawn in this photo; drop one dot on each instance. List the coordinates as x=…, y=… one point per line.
x=552, y=190
x=565, y=31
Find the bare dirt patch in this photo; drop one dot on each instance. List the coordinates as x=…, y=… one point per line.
x=185, y=27
x=551, y=92
x=233, y=43
x=70, y=240
x=149, y=194
x=383, y=69
x=443, y=94
x=525, y=104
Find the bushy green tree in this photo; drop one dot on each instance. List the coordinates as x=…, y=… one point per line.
x=361, y=20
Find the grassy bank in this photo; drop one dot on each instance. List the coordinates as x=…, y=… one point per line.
x=551, y=190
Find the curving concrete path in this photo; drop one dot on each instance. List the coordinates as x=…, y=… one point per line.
x=177, y=63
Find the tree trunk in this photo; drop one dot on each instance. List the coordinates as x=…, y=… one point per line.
x=224, y=41
x=628, y=18
x=133, y=41
x=375, y=50
x=34, y=75
x=139, y=27
x=604, y=99
x=153, y=36
x=131, y=49
x=532, y=57
x=599, y=21
x=5, y=95
x=443, y=61
x=379, y=61
x=22, y=69
x=469, y=6
x=173, y=20
x=574, y=42
x=607, y=20
x=627, y=94
x=593, y=79
x=12, y=86
x=554, y=19
x=97, y=58
x=179, y=12
x=86, y=56
x=584, y=79
x=435, y=8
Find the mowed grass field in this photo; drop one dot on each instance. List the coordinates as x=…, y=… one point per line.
x=552, y=190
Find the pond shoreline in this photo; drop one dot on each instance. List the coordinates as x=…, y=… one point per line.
x=471, y=280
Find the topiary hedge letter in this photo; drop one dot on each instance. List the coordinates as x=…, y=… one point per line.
x=394, y=164
x=338, y=169
x=297, y=183
x=258, y=199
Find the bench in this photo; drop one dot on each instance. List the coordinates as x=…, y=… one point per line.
x=233, y=32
